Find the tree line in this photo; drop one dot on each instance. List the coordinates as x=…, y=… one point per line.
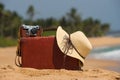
x=71, y=21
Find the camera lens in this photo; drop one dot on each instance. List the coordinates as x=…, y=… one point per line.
x=33, y=31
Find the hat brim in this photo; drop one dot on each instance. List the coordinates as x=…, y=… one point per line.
x=60, y=35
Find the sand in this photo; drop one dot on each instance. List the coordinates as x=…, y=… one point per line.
x=93, y=69
x=104, y=41
x=8, y=72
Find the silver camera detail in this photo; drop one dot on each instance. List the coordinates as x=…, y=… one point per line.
x=31, y=30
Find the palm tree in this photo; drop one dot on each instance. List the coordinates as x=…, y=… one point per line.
x=1, y=18
x=31, y=12
x=1, y=7
x=88, y=26
x=74, y=20
x=105, y=27
x=63, y=21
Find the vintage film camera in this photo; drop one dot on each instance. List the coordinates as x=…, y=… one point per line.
x=30, y=31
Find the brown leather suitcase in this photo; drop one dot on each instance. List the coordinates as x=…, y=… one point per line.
x=43, y=53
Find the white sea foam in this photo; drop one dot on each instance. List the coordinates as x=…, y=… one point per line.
x=100, y=48
x=110, y=55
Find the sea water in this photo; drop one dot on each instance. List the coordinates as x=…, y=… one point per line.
x=107, y=53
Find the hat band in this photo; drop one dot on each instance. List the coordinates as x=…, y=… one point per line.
x=68, y=45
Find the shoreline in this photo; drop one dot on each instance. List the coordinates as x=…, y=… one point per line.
x=103, y=42
x=111, y=65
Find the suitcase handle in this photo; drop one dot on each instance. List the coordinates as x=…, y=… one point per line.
x=18, y=61
x=18, y=56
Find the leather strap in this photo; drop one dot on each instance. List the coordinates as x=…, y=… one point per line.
x=18, y=61
x=68, y=45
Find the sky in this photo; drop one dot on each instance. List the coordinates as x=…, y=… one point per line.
x=107, y=11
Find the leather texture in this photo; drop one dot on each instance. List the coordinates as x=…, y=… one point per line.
x=43, y=53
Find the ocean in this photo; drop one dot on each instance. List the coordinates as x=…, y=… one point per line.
x=107, y=53
x=113, y=33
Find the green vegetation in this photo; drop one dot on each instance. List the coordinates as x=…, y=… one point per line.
x=71, y=21
x=4, y=42
x=49, y=33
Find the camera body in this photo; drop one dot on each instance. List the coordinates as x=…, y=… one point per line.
x=30, y=31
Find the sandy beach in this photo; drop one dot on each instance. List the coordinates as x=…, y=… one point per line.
x=93, y=69
x=104, y=41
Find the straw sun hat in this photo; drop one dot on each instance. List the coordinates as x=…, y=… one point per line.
x=75, y=45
